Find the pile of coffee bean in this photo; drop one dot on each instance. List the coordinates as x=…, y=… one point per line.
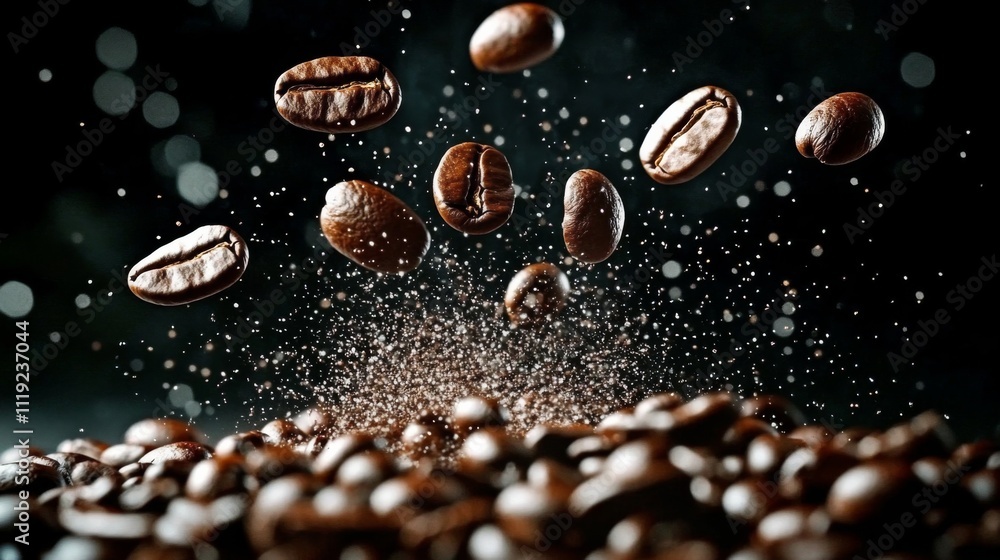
x=709, y=478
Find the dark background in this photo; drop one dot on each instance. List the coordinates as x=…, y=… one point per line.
x=855, y=302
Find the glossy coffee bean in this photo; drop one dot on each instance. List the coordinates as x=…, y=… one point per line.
x=338, y=94
x=313, y=420
x=190, y=268
x=473, y=188
x=121, y=454
x=593, y=216
x=372, y=227
x=704, y=420
x=87, y=446
x=841, y=129
x=155, y=432
x=183, y=451
x=690, y=135
x=536, y=294
x=215, y=477
x=872, y=492
x=33, y=477
x=282, y=431
x=240, y=443
x=475, y=412
x=516, y=37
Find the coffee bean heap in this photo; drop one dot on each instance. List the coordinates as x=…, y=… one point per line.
x=714, y=477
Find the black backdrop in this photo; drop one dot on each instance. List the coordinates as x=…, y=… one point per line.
x=104, y=362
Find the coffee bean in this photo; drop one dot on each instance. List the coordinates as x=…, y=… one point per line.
x=313, y=420
x=215, y=477
x=121, y=454
x=282, y=431
x=516, y=37
x=473, y=188
x=593, y=216
x=475, y=412
x=240, y=443
x=193, y=267
x=841, y=129
x=154, y=432
x=690, y=135
x=338, y=94
x=536, y=295
x=184, y=451
x=34, y=477
x=86, y=446
x=372, y=227
x=872, y=492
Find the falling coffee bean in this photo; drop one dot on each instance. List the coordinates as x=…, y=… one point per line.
x=536, y=294
x=374, y=228
x=516, y=37
x=690, y=135
x=193, y=267
x=593, y=216
x=841, y=129
x=338, y=94
x=473, y=188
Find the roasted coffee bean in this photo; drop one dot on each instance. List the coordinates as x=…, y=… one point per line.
x=34, y=477
x=215, y=477
x=155, y=432
x=121, y=454
x=750, y=499
x=313, y=420
x=193, y=267
x=185, y=451
x=338, y=94
x=86, y=446
x=475, y=412
x=282, y=431
x=742, y=433
x=374, y=228
x=841, y=129
x=536, y=294
x=240, y=443
x=658, y=402
x=791, y=522
x=337, y=450
x=705, y=419
x=473, y=188
x=593, y=216
x=516, y=37
x=690, y=135
x=872, y=492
